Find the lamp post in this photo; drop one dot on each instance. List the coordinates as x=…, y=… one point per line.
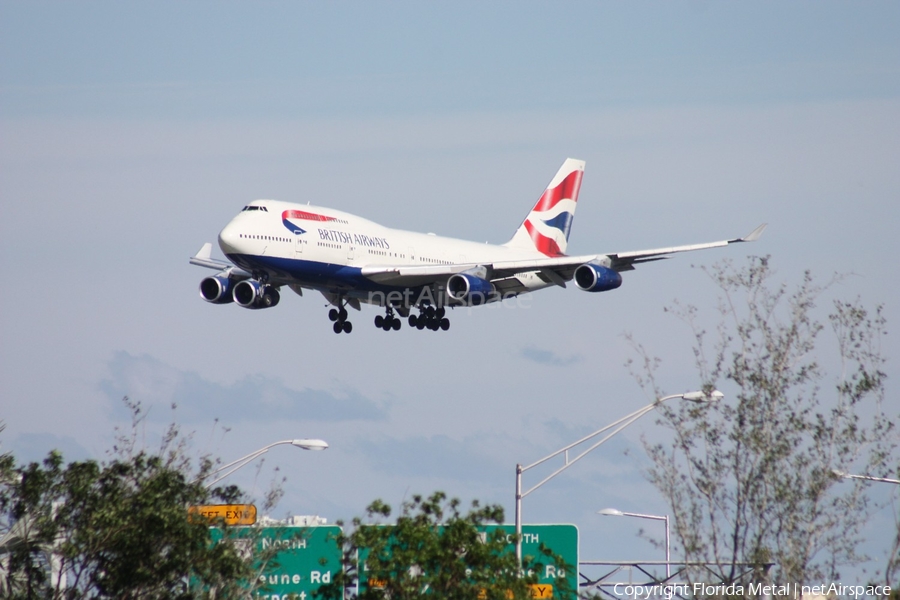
x=305, y=444
x=616, y=426
x=612, y=512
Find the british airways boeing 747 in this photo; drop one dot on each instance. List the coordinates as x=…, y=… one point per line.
x=351, y=260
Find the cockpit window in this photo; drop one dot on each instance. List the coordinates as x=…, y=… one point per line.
x=248, y=207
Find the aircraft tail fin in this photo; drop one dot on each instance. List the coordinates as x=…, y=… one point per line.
x=546, y=228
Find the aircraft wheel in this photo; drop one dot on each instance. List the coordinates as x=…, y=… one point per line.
x=429, y=312
x=342, y=313
x=338, y=327
x=413, y=320
x=348, y=327
x=379, y=321
x=420, y=324
x=445, y=323
x=333, y=314
x=396, y=324
x=386, y=324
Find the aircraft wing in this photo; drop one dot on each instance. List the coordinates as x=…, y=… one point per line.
x=625, y=261
x=556, y=270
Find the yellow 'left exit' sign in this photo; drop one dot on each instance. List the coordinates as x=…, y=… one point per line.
x=231, y=514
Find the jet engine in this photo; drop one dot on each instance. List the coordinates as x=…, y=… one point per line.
x=217, y=290
x=469, y=289
x=253, y=294
x=593, y=277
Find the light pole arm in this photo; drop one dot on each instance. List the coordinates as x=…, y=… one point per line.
x=641, y=516
x=622, y=424
x=866, y=477
x=638, y=413
x=241, y=462
x=619, y=426
x=306, y=444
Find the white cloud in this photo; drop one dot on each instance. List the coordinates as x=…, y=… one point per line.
x=549, y=357
x=158, y=386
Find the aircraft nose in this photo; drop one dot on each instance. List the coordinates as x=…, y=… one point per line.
x=229, y=239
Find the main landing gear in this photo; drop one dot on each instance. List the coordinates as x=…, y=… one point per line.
x=339, y=316
x=431, y=318
x=388, y=321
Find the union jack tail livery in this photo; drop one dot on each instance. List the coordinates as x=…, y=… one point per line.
x=546, y=228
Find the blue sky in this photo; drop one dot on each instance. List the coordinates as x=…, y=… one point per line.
x=130, y=134
x=280, y=60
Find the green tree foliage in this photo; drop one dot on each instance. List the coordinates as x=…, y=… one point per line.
x=115, y=529
x=752, y=479
x=434, y=551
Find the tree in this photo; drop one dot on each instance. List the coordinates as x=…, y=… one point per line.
x=434, y=551
x=752, y=479
x=116, y=529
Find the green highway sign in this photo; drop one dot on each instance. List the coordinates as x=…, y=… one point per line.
x=562, y=540
x=300, y=568
x=308, y=557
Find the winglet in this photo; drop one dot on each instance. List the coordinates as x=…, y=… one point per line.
x=205, y=252
x=203, y=258
x=755, y=234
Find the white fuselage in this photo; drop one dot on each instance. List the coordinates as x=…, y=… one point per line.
x=326, y=249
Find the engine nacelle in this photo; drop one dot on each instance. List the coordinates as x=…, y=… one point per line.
x=253, y=294
x=217, y=290
x=592, y=277
x=469, y=289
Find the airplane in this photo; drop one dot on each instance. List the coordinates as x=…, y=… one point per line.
x=351, y=260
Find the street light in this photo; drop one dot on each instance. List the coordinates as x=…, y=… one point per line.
x=713, y=396
x=612, y=512
x=305, y=444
